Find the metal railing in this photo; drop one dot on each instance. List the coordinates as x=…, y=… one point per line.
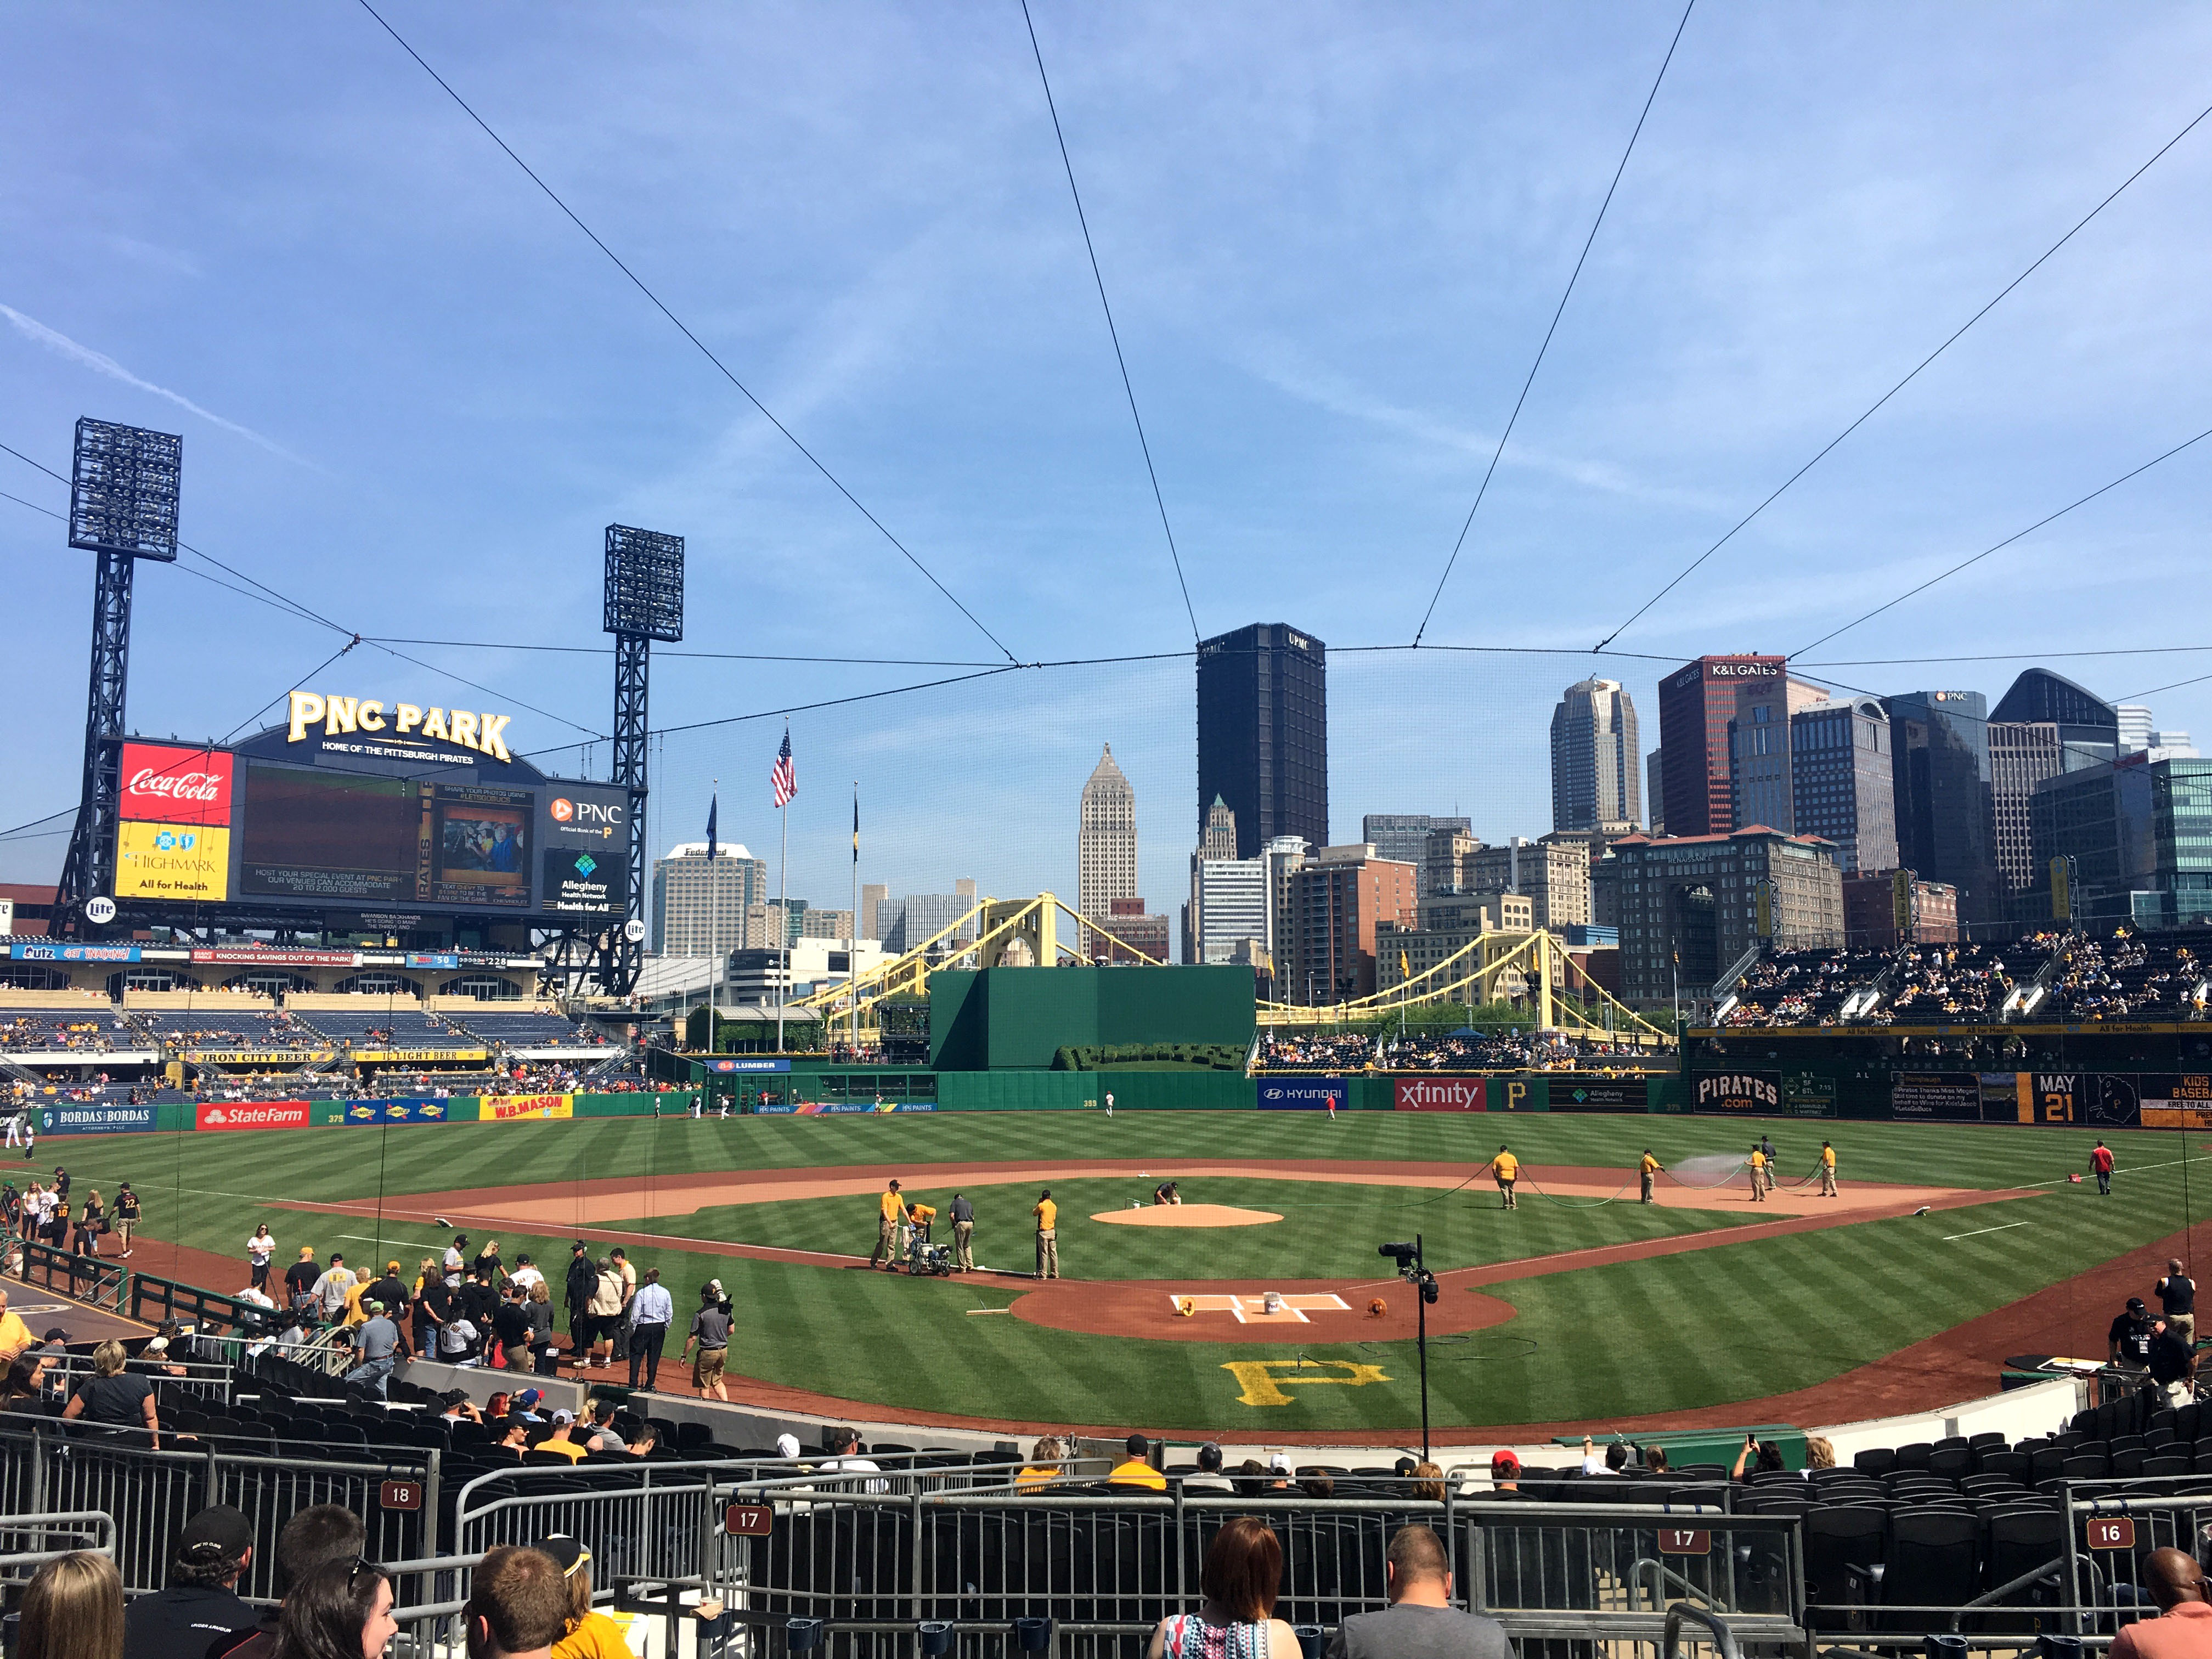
x=95, y=1280
x=152, y=1299
x=27, y=1542
x=47, y=1467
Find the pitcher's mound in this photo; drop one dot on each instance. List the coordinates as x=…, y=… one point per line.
x=1186, y=1215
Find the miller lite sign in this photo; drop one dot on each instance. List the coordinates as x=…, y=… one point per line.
x=163, y=784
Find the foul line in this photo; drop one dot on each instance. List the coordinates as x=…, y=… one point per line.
x=1949, y=1238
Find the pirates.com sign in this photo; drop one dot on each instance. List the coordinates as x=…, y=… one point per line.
x=1740, y=1092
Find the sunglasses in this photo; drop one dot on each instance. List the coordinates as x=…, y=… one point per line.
x=360, y=1564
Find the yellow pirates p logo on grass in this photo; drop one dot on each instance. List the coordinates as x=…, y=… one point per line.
x=1264, y=1380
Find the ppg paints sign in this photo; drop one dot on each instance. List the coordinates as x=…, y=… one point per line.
x=1740, y=1092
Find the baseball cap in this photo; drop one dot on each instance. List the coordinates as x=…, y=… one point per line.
x=563, y=1417
x=1136, y=1445
x=569, y=1552
x=787, y=1445
x=158, y=1344
x=1502, y=1461
x=529, y=1397
x=373, y=1307
x=2135, y=1305
x=56, y=1334
x=1280, y=1463
x=522, y=1262
x=391, y=1266
x=218, y=1534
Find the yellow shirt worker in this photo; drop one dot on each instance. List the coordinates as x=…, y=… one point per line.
x=1827, y=1170
x=15, y=1335
x=1048, y=1235
x=1507, y=1168
x=890, y=1210
x=1758, y=1177
x=1647, y=1170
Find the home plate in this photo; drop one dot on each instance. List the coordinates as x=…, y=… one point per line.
x=1253, y=1310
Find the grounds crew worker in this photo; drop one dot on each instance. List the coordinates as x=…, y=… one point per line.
x=1757, y=1174
x=963, y=1232
x=920, y=1218
x=1507, y=1168
x=1048, y=1235
x=890, y=1211
x=1827, y=1170
x=1647, y=1168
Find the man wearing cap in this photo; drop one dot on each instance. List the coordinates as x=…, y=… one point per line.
x=963, y=1232
x=525, y=1404
x=2128, y=1342
x=391, y=1289
x=300, y=1278
x=1137, y=1470
x=331, y=1288
x=510, y=1322
x=15, y=1335
x=319, y=1533
x=1504, y=1474
x=126, y=1215
x=2177, y=1296
x=201, y=1606
x=453, y=1261
x=890, y=1211
x=710, y=1336
x=377, y=1342
x=525, y=1273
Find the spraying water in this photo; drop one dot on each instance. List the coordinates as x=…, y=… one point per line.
x=1706, y=1170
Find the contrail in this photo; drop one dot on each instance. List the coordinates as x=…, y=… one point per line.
x=99, y=362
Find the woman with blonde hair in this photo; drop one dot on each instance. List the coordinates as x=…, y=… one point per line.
x=1429, y=1482
x=1044, y=1467
x=113, y=1396
x=1243, y=1574
x=73, y=1610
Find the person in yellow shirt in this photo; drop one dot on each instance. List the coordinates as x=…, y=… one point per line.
x=1648, y=1169
x=1044, y=1467
x=1507, y=1168
x=1136, y=1469
x=591, y=1634
x=15, y=1335
x=1759, y=1176
x=918, y=1220
x=890, y=1210
x=1048, y=1235
x=1827, y=1170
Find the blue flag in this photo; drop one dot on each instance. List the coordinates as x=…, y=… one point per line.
x=714, y=805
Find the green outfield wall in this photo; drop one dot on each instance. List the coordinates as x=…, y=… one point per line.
x=1016, y=1018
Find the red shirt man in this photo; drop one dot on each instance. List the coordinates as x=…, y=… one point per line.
x=2183, y=1629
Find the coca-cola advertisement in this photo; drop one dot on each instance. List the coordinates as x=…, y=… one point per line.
x=164, y=784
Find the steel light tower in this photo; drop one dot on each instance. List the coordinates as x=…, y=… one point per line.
x=122, y=506
x=644, y=603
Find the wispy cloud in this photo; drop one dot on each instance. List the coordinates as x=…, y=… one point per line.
x=1339, y=397
x=101, y=363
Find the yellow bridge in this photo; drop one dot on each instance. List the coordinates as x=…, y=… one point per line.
x=1026, y=932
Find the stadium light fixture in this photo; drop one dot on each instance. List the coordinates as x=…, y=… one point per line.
x=123, y=490
x=1727, y=1005
x=645, y=583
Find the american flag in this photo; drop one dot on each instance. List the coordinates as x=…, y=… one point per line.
x=783, y=777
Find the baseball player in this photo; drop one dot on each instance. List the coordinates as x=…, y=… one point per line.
x=19, y=1116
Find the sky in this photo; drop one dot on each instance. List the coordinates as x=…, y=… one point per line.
x=412, y=392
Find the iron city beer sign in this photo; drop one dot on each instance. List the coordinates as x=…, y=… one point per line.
x=485, y=734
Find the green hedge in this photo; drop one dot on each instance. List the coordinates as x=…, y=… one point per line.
x=1105, y=1057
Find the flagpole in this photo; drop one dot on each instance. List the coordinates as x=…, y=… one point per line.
x=783, y=909
x=713, y=923
x=853, y=929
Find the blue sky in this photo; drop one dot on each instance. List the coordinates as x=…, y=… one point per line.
x=412, y=394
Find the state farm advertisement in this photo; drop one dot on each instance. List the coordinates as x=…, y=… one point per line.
x=251, y=1115
x=166, y=785
x=1442, y=1094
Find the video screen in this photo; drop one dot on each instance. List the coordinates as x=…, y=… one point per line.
x=328, y=836
x=345, y=838
x=476, y=846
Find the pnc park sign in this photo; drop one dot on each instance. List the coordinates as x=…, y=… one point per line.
x=485, y=734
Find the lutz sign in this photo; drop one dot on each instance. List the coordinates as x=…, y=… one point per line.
x=485, y=734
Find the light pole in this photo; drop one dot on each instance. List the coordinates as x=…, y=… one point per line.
x=1413, y=1270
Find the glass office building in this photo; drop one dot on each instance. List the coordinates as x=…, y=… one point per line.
x=1263, y=733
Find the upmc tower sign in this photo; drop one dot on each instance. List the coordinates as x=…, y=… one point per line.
x=1696, y=703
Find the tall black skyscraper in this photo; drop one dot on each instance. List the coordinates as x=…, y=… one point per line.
x=1263, y=733
x=1940, y=766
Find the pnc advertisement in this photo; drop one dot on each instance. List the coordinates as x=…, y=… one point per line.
x=172, y=861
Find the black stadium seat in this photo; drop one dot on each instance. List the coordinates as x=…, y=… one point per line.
x=1933, y=1557
x=1840, y=1544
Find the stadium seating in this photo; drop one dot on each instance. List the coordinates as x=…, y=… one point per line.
x=230, y=1029
x=380, y=1027
x=523, y=1030
x=2124, y=976
x=91, y=1028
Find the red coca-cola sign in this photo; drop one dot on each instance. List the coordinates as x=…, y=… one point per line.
x=166, y=785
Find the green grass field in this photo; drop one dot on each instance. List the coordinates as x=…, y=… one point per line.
x=1735, y=1322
